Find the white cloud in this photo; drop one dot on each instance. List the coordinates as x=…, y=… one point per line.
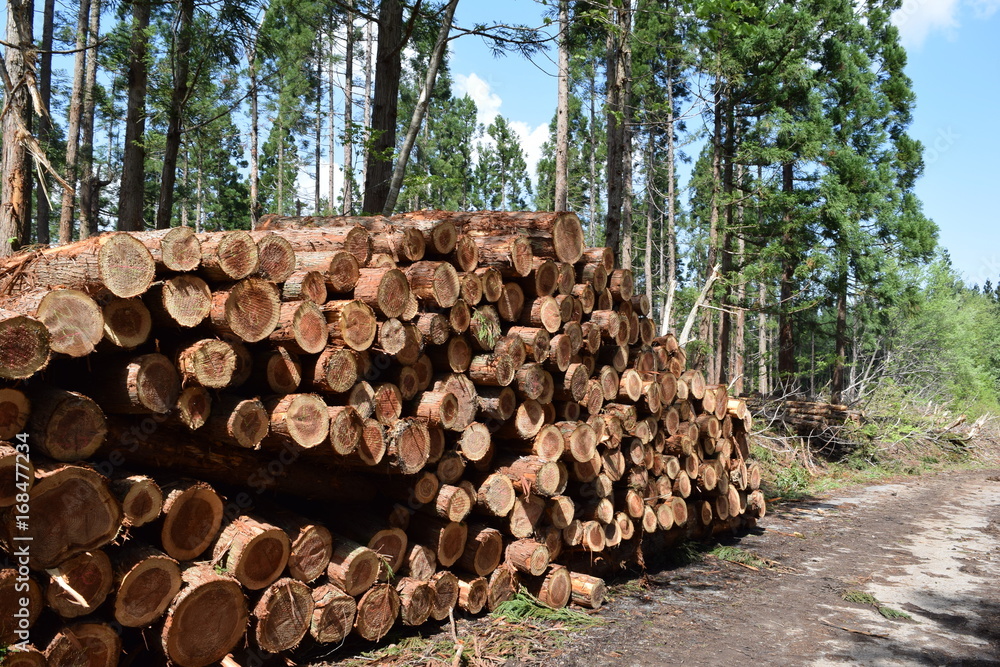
x=917, y=19
x=487, y=102
x=488, y=106
x=531, y=141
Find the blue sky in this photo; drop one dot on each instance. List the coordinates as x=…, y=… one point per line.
x=954, y=62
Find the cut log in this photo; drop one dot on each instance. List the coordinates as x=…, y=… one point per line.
x=79, y=584
x=15, y=408
x=434, y=283
x=283, y=614
x=21, y=603
x=445, y=589
x=472, y=593
x=353, y=567
x=384, y=290
x=306, y=285
x=484, y=328
x=141, y=499
x=239, y=422
x=333, y=614
x=249, y=311
x=420, y=563
x=527, y=556
x=73, y=319
x=252, y=551
x=206, y=620
x=146, y=580
x=377, y=612
x=145, y=384
x=503, y=585
x=17, y=474
x=91, y=644
x=301, y=419
x=352, y=322
x=174, y=249
x=228, y=256
x=483, y=550
x=277, y=257
x=447, y=538
x=301, y=327
x=127, y=323
x=27, y=656
x=416, y=598
x=72, y=511
x=208, y=362
x=495, y=496
x=192, y=516
x=554, y=589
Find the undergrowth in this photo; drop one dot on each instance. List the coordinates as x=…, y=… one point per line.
x=523, y=606
x=896, y=437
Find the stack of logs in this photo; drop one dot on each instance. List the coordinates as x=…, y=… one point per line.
x=257, y=442
x=808, y=418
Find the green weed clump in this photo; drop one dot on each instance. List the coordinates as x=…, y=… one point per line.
x=524, y=606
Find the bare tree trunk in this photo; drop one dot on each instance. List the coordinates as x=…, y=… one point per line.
x=130, y=195
x=840, y=339
x=739, y=344
x=627, y=192
x=178, y=99
x=615, y=70
x=186, y=201
x=281, y=168
x=89, y=187
x=786, y=331
x=348, y=92
x=650, y=220
x=45, y=135
x=254, y=130
x=762, y=383
x=420, y=109
x=707, y=328
x=367, y=112
x=15, y=166
x=724, y=345
x=562, y=112
x=388, y=68
x=199, y=222
x=592, y=222
x=73, y=125
x=318, y=153
x=668, y=302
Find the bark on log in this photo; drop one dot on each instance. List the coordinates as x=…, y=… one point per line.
x=228, y=256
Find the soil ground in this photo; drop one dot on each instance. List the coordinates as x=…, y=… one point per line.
x=927, y=546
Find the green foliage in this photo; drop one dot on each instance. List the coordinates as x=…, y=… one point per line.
x=737, y=555
x=525, y=607
x=860, y=597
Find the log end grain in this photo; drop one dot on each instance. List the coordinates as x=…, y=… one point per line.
x=125, y=266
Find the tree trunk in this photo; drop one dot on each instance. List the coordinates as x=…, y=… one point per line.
x=45, y=121
x=89, y=186
x=131, y=194
x=615, y=70
x=562, y=113
x=419, y=110
x=15, y=210
x=254, y=123
x=318, y=147
x=348, y=197
x=668, y=301
x=388, y=68
x=178, y=100
x=625, y=28
x=840, y=339
x=367, y=111
x=724, y=345
x=73, y=125
x=786, y=330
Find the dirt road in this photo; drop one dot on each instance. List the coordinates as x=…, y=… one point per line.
x=927, y=546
